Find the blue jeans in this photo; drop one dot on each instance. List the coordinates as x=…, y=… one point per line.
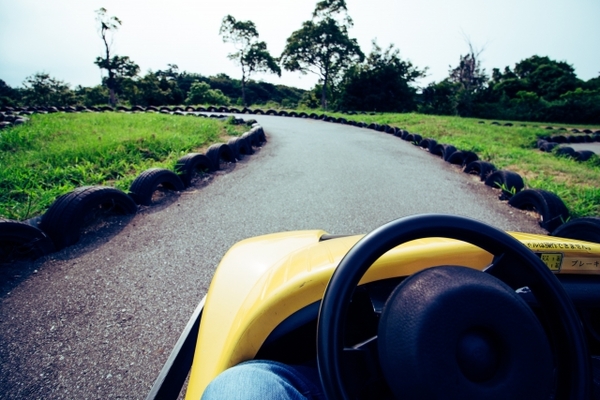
x=265, y=380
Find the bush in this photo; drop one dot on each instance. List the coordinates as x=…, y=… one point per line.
x=201, y=93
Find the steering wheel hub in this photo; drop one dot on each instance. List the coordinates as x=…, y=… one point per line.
x=456, y=330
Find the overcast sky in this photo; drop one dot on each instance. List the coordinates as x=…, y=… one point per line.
x=60, y=37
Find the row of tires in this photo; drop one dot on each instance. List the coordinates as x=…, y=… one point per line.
x=572, y=130
x=560, y=139
x=61, y=225
x=564, y=151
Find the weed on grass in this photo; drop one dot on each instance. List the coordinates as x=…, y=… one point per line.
x=55, y=153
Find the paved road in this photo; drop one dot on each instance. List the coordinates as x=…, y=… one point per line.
x=98, y=320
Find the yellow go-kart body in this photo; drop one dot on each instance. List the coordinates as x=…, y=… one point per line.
x=264, y=283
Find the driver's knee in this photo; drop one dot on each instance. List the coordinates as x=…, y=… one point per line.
x=265, y=380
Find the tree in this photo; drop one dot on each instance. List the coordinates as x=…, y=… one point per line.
x=251, y=54
x=470, y=80
x=201, y=93
x=117, y=67
x=540, y=75
x=381, y=83
x=8, y=95
x=41, y=89
x=322, y=46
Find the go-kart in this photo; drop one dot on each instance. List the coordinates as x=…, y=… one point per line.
x=429, y=306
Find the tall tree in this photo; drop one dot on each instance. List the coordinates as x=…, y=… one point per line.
x=322, y=46
x=252, y=55
x=117, y=67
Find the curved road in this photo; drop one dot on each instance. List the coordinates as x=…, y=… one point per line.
x=97, y=320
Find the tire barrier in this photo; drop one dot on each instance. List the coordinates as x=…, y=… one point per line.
x=481, y=168
x=585, y=228
x=62, y=223
x=509, y=182
x=462, y=158
x=70, y=212
x=144, y=186
x=549, y=206
x=21, y=241
x=219, y=152
x=240, y=147
x=556, y=143
x=189, y=165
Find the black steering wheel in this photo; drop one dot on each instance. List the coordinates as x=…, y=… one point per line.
x=455, y=332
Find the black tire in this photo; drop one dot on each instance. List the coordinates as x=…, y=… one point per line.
x=583, y=155
x=241, y=146
x=462, y=158
x=586, y=228
x=540, y=142
x=188, y=165
x=258, y=136
x=147, y=182
x=21, y=241
x=70, y=212
x=293, y=114
x=481, y=168
x=428, y=144
x=219, y=152
x=548, y=147
x=444, y=150
x=565, y=152
x=509, y=182
x=549, y=206
x=273, y=112
x=438, y=149
x=414, y=138
x=576, y=139
x=251, y=139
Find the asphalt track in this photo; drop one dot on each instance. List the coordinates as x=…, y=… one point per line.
x=98, y=319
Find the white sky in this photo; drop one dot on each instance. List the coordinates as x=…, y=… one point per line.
x=60, y=36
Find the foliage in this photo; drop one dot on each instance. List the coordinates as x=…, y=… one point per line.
x=322, y=46
x=8, y=95
x=41, y=89
x=55, y=153
x=201, y=93
x=536, y=89
x=383, y=82
x=251, y=54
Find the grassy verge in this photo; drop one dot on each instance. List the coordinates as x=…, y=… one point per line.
x=512, y=148
x=55, y=153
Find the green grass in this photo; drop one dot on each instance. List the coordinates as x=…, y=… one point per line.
x=511, y=148
x=55, y=153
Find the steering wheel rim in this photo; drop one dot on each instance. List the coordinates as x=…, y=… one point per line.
x=573, y=365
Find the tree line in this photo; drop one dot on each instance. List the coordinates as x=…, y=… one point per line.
x=535, y=89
